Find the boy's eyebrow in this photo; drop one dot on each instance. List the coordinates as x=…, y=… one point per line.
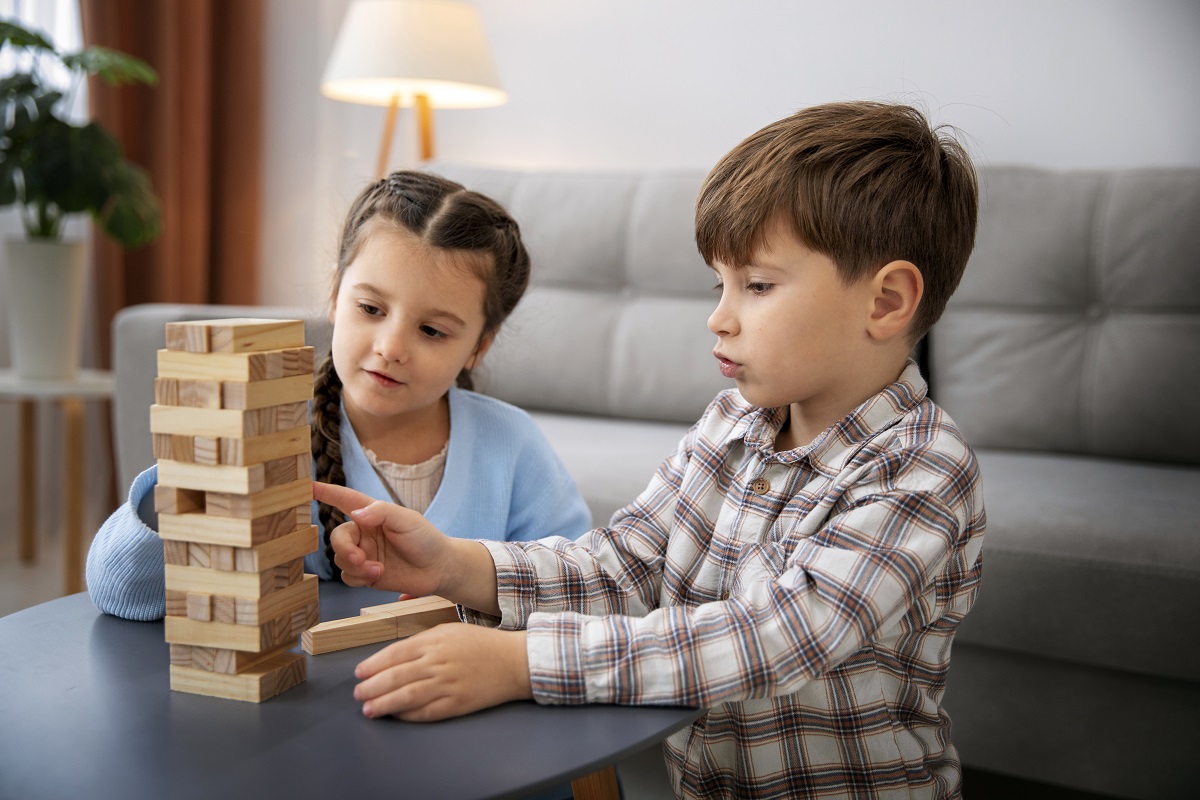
x=435, y=312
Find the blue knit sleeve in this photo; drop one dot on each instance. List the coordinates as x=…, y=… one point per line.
x=545, y=499
x=125, y=575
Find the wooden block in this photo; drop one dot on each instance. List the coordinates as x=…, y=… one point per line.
x=176, y=604
x=406, y=618
x=262, y=394
x=209, y=478
x=206, y=450
x=186, y=336
x=341, y=634
x=176, y=448
x=199, y=606
x=227, y=422
x=268, y=447
x=200, y=527
x=224, y=609
x=299, y=595
x=234, y=479
x=261, y=682
x=215, y=659
x=175, y=553
x=173, y=500
x=231, y=636
x=248, y=334
x=260, y=366
x=209, y=556
x=194, y=394
x=285, y=548
x=230, y=583
x=259, y=504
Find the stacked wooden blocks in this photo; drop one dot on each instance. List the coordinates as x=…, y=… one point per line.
x=234, y=494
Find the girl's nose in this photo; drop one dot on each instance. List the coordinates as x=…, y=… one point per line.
x=391, y=346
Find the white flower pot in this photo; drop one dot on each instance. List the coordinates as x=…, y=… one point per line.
x=45, y=307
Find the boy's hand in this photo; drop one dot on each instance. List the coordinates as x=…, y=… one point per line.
x=446, y=671
x=384, y=545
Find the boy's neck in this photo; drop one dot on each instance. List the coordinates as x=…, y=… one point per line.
x=806, y=422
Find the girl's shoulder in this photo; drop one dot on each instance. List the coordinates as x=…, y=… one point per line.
x=474, y=407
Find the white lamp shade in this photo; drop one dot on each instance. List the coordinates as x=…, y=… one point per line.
x=388, y=48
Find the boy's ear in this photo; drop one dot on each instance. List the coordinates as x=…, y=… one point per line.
x=897, y=290
x=485, y=344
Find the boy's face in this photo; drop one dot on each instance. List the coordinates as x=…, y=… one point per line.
x=789, y=330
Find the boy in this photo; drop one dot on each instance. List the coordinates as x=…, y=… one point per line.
x=799, y=565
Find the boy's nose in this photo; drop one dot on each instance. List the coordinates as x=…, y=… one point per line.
x=721, y=321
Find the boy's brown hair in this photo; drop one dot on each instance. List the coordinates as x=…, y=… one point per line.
x=863, y=183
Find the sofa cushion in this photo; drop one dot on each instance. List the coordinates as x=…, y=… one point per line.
x=1076, y=328
x=1090, y=560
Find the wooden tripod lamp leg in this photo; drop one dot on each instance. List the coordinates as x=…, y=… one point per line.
x=425, y=123
x=389, y=130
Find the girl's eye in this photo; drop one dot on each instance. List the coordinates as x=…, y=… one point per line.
x=758, y=288
x=432, y=333
x=370, y=310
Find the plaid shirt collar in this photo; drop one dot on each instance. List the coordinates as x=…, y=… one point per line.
x=829, y=452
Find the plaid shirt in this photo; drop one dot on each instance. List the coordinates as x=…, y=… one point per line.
x=807, y=598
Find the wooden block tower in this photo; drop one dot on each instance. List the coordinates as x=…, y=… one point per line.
x=231, y=435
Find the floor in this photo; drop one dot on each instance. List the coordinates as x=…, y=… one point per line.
x=23, y=585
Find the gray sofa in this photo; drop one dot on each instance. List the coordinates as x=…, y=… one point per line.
x=1070, y=357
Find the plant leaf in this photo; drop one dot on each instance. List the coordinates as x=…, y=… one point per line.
x=13, y=34
x=113, y=67
x=132, y=215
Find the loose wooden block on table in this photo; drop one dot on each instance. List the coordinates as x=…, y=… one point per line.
x=238, y=335
x=391, y=621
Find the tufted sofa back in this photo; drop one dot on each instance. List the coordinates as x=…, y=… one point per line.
x=1076, y=328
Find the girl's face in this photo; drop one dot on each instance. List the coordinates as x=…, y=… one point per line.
x=407, y=318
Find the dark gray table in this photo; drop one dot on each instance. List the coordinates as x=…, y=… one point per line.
x=86, y=711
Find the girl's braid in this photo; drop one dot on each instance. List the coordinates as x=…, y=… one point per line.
x=327, y=447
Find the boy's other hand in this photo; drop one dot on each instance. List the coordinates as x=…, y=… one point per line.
x=446, y=671
x=384, y=545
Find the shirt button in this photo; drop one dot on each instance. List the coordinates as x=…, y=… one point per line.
x=760, y=486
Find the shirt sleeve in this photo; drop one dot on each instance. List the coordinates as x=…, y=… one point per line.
x=125, y=575
x=793, y=608
x=614, y=570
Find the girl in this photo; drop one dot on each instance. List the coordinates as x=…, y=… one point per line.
x=426, y=274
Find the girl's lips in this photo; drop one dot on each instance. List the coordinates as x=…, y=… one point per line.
x=381, y=379
x=729, y=368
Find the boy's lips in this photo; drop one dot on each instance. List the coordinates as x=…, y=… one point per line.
x=728, y=368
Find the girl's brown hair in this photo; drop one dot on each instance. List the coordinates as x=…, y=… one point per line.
x=443, y=214
x=862, y=183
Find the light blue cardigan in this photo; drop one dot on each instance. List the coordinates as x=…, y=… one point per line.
x=502, y=481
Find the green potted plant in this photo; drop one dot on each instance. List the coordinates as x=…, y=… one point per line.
x=51, y=167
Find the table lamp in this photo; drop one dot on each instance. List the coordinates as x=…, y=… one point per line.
x=425, y=53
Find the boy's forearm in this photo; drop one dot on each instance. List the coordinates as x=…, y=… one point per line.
x=470, y=578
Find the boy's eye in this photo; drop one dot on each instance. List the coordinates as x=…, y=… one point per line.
x=758, y=288
x=370, y=310
x=719, y=287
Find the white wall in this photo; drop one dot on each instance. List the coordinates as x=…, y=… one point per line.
x=612, y=84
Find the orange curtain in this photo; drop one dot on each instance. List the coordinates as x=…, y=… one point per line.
x=199, y=133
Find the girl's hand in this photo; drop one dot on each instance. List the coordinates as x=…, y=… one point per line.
x=446, y=671
x=384, y=545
